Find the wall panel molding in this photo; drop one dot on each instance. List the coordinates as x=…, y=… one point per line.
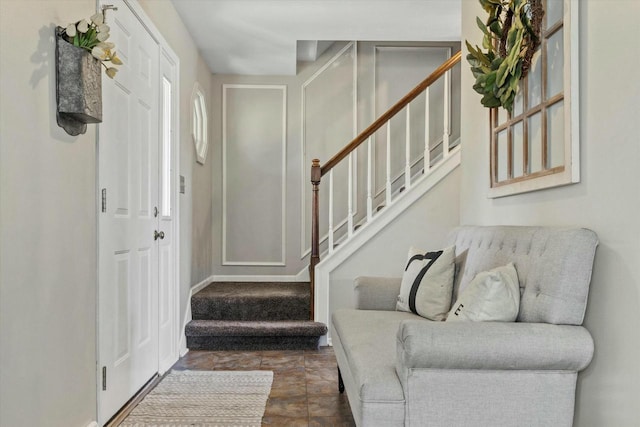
x=352, y=48
x=225, y=169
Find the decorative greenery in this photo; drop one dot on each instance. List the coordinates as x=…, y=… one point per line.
x=92, y=35
x=511, y=37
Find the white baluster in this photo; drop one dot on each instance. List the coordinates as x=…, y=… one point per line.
x=388, y=163
x=447, y=119
x=331, y=211
x=427, y=149
x=407, y=150
x=350, y=195
x=369, y=181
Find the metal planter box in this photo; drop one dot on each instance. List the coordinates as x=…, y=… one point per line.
x=78, y=87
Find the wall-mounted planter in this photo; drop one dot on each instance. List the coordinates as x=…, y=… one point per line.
x=78, y=87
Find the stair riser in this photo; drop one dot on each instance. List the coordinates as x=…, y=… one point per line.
x=254, y=309
x=244, y=343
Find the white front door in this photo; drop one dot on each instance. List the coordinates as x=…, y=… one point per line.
x=133, y=258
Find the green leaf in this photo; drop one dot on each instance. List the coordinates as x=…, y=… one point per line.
x=482, y=26
x=502, y=73
x=496, y=28
x=490, y=101
x=473, y=52
x=491, y=79
x=489, y=5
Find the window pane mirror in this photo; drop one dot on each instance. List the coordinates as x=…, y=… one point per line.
x=536, y=145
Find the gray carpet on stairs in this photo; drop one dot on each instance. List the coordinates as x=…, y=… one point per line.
x=253, y=316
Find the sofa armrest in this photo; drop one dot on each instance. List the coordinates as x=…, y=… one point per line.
x=376, y=293
x=492, y=346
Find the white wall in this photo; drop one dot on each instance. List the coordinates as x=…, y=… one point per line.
x=48, y=225
x=606, y=200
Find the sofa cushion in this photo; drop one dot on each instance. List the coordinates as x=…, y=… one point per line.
x=554, y=266
x=491, y=296
x=369, y=343
x=427, y=283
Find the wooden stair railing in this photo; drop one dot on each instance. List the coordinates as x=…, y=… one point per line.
x=318, y=171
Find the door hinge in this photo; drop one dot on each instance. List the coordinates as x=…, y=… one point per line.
x=104, y=200
x=104, y=378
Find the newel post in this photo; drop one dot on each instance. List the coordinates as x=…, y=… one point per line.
x=316, y=175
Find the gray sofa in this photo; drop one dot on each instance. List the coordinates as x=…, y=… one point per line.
x=400, y=369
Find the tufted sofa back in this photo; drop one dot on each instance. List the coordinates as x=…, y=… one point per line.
x=553, y=264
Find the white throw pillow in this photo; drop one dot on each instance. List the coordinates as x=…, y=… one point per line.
x=491, y=296
x=427, y=283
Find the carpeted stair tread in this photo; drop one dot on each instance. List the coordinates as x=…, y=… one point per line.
x=255, y=328
x=252, y=301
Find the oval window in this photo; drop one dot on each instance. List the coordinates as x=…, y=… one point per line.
x=199, y=123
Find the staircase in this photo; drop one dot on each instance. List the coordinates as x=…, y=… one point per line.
x=388, y=194
x=253, y=316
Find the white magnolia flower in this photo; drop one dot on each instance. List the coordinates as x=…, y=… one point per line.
x=83, y=26
x=104, y=28
x=98, y=18
x=103, y=36
x=106, y=45
x=115, y=60
x=99, y=53
x=71, y=30
x=111, y=72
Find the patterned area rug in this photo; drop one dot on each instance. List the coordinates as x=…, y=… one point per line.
x=204, y=399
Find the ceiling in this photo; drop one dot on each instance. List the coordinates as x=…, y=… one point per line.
x=260, y=37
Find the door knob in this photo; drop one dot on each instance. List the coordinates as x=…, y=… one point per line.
x=158, y=235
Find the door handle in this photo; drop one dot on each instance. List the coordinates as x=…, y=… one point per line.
x=158, y=235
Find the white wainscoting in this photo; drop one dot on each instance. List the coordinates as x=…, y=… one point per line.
x=247, y=189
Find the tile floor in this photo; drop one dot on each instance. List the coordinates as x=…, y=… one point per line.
x=305, y=383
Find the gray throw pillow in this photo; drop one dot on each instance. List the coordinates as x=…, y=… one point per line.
x=491, y=296
x=427, y=283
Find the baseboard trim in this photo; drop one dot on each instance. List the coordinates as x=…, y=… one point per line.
x=182, y=345
x=93, y=424
x=124, y=412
